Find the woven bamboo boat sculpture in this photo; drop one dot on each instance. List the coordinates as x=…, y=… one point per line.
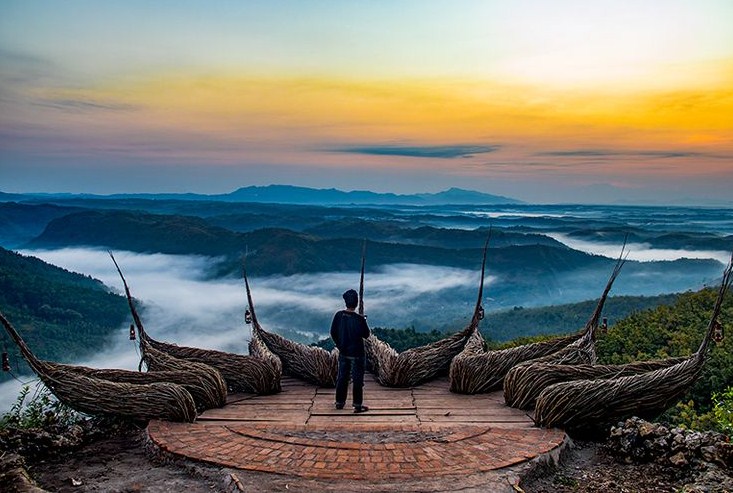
x=418, y=365
x=476, y=370
x=235, y=372
x=123, y=393
x=526, y=380
x=310, y=363
x=257, y=346
x=589, y=407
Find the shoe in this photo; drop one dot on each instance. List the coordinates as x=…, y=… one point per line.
x=339, y=406
x=360, y=409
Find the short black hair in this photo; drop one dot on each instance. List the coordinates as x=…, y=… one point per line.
x=351, y=298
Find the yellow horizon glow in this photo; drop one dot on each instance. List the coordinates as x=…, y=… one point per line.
x=314, y=111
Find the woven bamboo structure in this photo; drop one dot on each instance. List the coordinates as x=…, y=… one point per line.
x=476, y=370
x=310, y=363
x=236, y=372
x=589, y=407
x=204, y=390
x=109, y=392
x=240, y=373
x=192, y=372
x=418, y=365
x=257, y=346
x=528, y=381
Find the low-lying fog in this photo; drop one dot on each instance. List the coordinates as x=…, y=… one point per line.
x=640, y=252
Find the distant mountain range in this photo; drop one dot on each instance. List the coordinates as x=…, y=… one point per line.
x=299, y=195
x=286, y=194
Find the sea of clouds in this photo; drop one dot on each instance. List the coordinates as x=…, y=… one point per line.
x=641, y=252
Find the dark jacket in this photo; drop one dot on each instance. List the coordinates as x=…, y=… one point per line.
x=348, y=331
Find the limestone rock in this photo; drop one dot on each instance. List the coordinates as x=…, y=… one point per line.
x=678, y=460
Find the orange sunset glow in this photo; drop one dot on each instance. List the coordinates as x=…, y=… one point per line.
x=634, y=95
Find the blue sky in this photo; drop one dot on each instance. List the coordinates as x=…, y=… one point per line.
x=545, y=101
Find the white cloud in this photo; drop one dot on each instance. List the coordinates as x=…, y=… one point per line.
x=641, y=252
x=184, y=306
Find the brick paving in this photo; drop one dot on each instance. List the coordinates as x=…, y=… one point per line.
x=424, y=432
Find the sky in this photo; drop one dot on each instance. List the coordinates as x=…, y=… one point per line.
x=545, y=101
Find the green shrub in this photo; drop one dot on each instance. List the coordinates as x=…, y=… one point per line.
x=723, y=410
x=719, y=418
x=40, y=411
x=686, y=415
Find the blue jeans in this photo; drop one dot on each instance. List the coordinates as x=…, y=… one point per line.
x=355, y=367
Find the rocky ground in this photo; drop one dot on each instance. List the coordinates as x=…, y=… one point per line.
x=642, y=457
x=590, y=468
x=639, y=457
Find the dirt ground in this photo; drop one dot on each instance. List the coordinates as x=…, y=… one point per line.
x=587, y=468
x=117, y=463
x=125, y=464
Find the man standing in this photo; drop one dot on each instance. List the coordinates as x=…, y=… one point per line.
x=348, y=331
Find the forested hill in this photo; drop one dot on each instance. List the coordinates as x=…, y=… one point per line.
x=63, y=316
x=282, y=251
x=521, y=322
x=21, y=222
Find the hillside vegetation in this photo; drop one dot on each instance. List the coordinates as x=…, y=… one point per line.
x=520, y=322
x=62, y=315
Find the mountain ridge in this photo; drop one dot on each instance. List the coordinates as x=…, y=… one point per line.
x=289, y=194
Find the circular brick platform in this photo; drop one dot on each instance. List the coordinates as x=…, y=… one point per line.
x=424, y=432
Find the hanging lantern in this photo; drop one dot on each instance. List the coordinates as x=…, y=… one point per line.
x=481, y=313
x=604, y=325
x=132, y=332
x=248, y=316
x=6, y=362
x=718, y=333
